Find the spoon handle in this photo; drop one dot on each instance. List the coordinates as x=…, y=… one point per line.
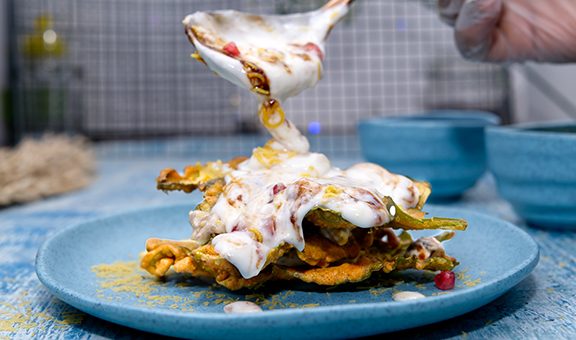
x=333, y=3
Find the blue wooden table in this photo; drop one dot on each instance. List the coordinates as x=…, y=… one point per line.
x=542, y=306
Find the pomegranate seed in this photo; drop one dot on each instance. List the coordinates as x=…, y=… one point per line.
x=445, y=280
x=278, y=187
x=312, y=47
x=231, y=50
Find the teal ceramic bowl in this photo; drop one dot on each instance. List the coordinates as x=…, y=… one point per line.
x=535, y=170
x=445, y=148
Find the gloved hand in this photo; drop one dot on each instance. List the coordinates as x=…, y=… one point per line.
x=513, y=30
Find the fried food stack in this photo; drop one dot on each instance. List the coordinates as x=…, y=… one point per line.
x=335, y=252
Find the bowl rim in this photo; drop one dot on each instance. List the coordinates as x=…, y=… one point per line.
x=528, y=129
x=439, y=118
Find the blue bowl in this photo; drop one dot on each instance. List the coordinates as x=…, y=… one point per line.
x=445, y=148
x=535, y=170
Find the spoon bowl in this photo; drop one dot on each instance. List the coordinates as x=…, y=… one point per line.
x=272, y=55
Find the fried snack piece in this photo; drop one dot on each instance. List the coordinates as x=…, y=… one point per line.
x=360, y=270
x=203, y=263
x=356, y=271
x=336, y=251
x=425, y=191
x=195, y=176
x=321, y=252
x=403, y=219
x=202, y=177
x=321, y=262
x=383, y=258
x=212, y=191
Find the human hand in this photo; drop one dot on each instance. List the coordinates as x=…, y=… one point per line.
x=513, y=30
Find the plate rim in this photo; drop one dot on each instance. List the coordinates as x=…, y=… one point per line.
x=517, y=273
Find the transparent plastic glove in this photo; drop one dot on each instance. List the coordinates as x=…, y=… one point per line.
x=513, y=30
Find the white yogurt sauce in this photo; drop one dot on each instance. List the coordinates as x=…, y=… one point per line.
x=262, y=208
x=242, y=307
x=405, y=296
x=280, y=45
x=266, y=199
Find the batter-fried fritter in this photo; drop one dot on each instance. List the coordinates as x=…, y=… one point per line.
x=195, y=176
x=336, y=251
x=322, y=261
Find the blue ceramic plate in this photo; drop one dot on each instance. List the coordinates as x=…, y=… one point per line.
x=494, y=256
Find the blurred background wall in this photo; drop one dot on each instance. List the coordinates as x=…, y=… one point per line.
x=3, y=69
x=543, y=92
x=113, y=69
x=122, y=69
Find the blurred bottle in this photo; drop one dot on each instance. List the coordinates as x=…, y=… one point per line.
x=45, y=82
x=43, y=42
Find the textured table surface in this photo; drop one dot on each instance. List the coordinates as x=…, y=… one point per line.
x=542, y=306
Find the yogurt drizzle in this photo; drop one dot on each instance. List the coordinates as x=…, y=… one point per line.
x=263, y=207
x=266, y=199
x=240, y=307
x=407, y=295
